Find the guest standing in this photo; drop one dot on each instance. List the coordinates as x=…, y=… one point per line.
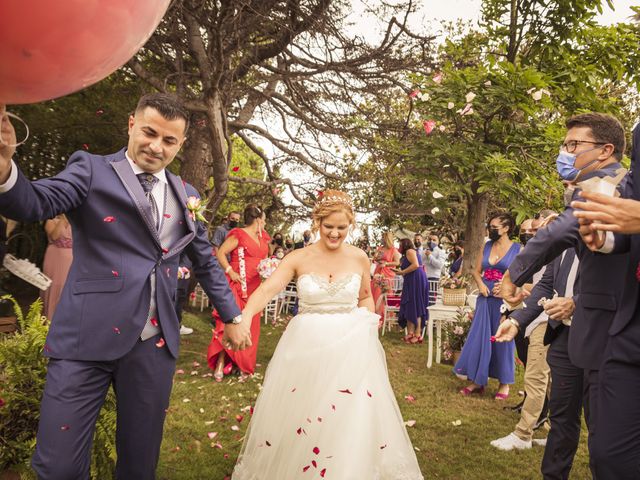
x=247, y=247
x=413, y=312
x=221, y=232
x=57, y=261
x=455, y=270
x=480, y=358
x=386, y=258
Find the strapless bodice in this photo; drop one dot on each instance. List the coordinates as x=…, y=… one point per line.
x=316, y=294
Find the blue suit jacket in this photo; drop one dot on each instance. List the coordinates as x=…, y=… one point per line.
x=597, y=290
x=105, y=302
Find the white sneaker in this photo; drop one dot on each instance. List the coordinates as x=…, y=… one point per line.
x=185, y=330
x=510, y=442
x=540, y=442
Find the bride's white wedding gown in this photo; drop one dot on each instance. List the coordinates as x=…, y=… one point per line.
x=327, y=409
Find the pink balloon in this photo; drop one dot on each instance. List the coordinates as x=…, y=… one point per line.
x=52, y=48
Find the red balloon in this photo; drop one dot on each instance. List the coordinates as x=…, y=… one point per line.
x=52, y=48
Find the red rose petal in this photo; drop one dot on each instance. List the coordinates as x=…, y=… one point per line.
x=109, y=219
x=64, y=428
x=316, y=450
x=322, y=472
x=160, y=343
x=116, y=330
x=314, y=463
x=226, y=455
x=85, y=146
x=333, y=407
x=99, y=112
x=493, y=339
x=299, y=431
x=304, y=469
x=167, y=215
x=165, y=250
x=239, y=418
x=115, y=273
x=235, y=169
x=638, y=272
x=153, y=321
x=369, y=393
x=346, y=391
x=2, y=403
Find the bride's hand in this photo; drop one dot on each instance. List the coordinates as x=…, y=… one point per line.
x=237, y=337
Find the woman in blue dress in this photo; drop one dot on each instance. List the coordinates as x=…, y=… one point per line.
x=413, y=312
x=480, y=358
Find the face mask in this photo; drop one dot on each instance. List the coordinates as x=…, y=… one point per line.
x=307, y=238
x=432, y=245
x=289, y=245
x=494, y=234
x=418, y=244
x=279, y=241
x=280, y=255
x=565, y=165
x=457, y=253
x=233, y=223
x=525, y=237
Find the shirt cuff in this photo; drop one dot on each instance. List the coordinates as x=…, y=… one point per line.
x=609, y=243
x=11, y=181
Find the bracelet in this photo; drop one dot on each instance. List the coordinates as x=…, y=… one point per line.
x=513, y=322
x=226, y=270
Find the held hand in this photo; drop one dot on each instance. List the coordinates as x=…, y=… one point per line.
x=611, y=214
x=496, y=289
x=7, y=140
x=237, y=337
x=510, y=292
x=560, y=308
x=506, y=332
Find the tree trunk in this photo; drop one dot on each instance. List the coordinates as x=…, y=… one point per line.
x=220, y=150
x=474, y=232
x=196, y=163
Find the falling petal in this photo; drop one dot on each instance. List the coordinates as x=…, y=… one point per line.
x=322, y=472
x=333, y=407
x=268, y=444
x=64, y=428
x=437, y=195
x=346, y=391
x=116, y=330
x=383, y=446
x=109, y=219
x=153, y=321
x=369, y=393
x=299, y=431
x=167, y=215
x=85, y=146
x=235, y=169
x=160, y=343
x=115, y=273
x=304, y=469
x=314, y=463
x=316, y=450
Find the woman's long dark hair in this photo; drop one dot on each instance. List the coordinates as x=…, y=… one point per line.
x=405, y=244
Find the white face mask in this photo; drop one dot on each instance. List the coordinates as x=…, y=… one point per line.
x=280, y=255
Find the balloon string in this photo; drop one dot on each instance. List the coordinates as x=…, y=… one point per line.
x=26, y=137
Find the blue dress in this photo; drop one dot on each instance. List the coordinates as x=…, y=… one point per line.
x=481, y=359
x=415, y=294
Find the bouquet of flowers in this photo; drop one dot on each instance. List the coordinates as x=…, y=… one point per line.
x=267, y=266
x=381, y=282
x=455, y=283
x=456, y=331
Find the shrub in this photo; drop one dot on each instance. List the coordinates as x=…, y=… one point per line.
x=22, y=378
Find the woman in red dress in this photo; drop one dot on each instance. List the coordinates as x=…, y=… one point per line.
x=246, y=247
x=386, y=259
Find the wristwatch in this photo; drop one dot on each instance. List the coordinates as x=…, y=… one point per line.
x=236, y=320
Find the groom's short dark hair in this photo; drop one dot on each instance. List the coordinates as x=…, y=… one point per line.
x=170, y=106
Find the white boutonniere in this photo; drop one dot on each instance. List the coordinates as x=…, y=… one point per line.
x=196, y=209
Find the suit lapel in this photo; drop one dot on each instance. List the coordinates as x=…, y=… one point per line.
x=134, y=189
x=175, y=183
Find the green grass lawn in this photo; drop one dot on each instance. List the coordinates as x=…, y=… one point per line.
x=200, y=406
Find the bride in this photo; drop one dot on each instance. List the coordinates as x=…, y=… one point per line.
x=326, y=409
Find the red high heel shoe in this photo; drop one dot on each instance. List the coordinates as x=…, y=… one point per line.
x=407, y=338
x=227, y=368
x=415, y=339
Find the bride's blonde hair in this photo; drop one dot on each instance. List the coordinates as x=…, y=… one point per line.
x=332, y=201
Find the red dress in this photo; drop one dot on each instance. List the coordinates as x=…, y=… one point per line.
x=253, y=254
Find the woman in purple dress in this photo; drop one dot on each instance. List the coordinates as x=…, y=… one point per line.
x=413, y=312
x=480, y=358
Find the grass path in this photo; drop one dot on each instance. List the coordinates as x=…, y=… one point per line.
x=201, y=406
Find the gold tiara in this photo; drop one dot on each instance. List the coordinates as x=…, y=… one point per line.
x=335, y=199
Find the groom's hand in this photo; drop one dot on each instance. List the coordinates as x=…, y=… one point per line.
x=7, y=140
x=237, y=337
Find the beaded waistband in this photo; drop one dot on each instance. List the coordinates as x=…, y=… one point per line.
x=318, y=309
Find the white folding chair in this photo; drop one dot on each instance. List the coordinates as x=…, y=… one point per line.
x=434, y=286
x=289, y=298
x=271, y=310
x=396, y=284
x=199, y=297
x=391, y=310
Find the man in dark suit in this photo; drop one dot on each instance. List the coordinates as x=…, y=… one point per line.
x=116, y=323
x=617, y=446
x=595, y=143
x=565, y=402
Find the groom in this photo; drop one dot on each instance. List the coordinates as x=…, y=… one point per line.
x=116, y=323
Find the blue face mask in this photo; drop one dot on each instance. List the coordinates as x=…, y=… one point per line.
x=565, y=164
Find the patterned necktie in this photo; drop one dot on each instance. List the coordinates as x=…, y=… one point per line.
x=148, y=181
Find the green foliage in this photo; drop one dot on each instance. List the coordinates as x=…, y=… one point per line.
x=22, y=379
